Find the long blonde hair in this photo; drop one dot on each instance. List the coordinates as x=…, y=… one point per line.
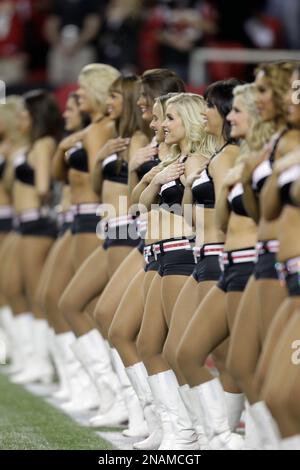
x=9, y=112
x=97, y=79
x=259, y=132
x=191, y=107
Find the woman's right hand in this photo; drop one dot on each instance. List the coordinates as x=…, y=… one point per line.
x=143, y=155
x=112, y=146
x=170, y=173
x=71, y=140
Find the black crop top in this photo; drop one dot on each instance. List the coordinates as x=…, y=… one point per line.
x=171, y=193
x=285, y=181
x=2, y=165
x=235, y=200
x=115, y=169
x=203, y=187
x=147, y=166
x=23, y=171
x=77, y=158
x=265, y=168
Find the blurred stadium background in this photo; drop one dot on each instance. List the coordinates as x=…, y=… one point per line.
x=44, y=43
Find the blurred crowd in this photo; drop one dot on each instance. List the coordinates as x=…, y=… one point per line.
x=49, y=41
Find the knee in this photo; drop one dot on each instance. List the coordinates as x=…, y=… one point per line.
x=169, y=354
x=144, y=348
x=66, y=307
x=115, y=336
x=293, y=403
x=50, y=299
x=236, y=369
x=184, y=356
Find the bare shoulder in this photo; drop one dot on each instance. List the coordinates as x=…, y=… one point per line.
x=288, y=142
x=140, y=139
x=226, y=157
x=43, y=145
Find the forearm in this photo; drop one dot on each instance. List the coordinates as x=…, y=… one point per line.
x=150, y=195
x=271, y=204
x=133, y=182
x=222, y=211
x=59, y=168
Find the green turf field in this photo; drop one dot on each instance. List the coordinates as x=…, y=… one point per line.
x=27, y=422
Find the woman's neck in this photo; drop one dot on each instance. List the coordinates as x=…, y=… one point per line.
x=96, y=116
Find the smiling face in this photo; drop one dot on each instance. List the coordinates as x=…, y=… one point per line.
x=173, y=127
x=213, y=120
x=238, y=119
x=72, y=115
x=156, y=123
x=114, y=104
x=293, y=101
x=264, y=101
x=145, y=103
x=85, y=101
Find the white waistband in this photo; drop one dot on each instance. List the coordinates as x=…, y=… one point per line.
x=33, y=214
x=86, y=208
x=239, y=256
x=272, y=246
x=6, y=212
x=119, y=221
x=293, y=265
x=171, y=246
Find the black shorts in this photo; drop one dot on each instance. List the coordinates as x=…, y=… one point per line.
x=123, y=235
x=141, y=246
x=43, y=227
x=293, y=284
x=85, y=223
x=207, y=269
x=64, y=228
x=265, y=267
x=234, y=278
x=6, y=225
x=176, y=263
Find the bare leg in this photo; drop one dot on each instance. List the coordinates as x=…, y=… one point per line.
x=153, y=331
x=187, y=302
x=271, y=294
x=115, y=289
x=127, y=321
x=244, y=347
x=207, y=329
x=60, y=275
x=284, y=314
x=88, y=282
x=283, y=370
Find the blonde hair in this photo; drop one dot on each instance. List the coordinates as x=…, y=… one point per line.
x=259, y=131
x=8, y=114
x=97, y=79
x=190, y=107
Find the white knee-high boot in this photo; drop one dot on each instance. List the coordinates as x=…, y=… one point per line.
x=192, y=405
x=83, y=395
x=213, y=405
x=63, y=393
x=290, y=443
x=178, y=432
x=235, y=403
x=37, y=365
x=139, y=379
x=11, y=329
x=266, y=425
x=252, y=435
x=137, y=425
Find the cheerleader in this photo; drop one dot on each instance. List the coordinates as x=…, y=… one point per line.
x=41, y=122
x=271, y=83
x=184, y=130
x=206, y=331
x=278, y=363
